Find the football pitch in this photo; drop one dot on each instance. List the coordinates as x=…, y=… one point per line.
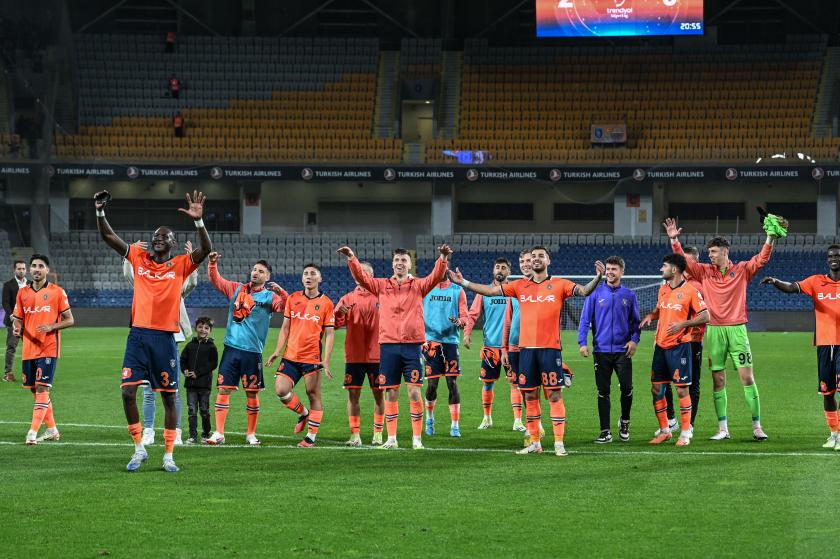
x=467, y=497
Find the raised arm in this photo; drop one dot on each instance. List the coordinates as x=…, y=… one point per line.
x=783, y=286
x=225, y=287
x=438, y=272
x=694, y=269
x=761, y=259
x=585, y=290
x=195, y=210
x=100, y=200
x=355, y=267
x=487, y=290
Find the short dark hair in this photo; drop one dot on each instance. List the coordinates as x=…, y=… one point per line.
x=312, y=265
x=503, y=260
x=722, y=242
x=835, y=246
x=400, y=251
x=19, y=261
x=540, y=247
x=615, y=261
x=676, y=260
x=204, y=320
x=265, y=263
x=42, y=257
x=692, y=250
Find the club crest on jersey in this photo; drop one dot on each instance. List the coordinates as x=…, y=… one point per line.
x=683, y=361
x=172, y=364
x=731, y=274
x=317, y=307
x=46, y=297
x=679, y=296
x=126, y=372
x=624, y=302
x=48, y=360
x=549, y=287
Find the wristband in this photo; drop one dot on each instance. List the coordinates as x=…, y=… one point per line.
x=100, y=213
x=466, y=283
x=199, y=223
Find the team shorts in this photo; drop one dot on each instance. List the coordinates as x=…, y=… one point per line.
x=295, y=371
x=151, y=357
x=731, y=342
x=241, y=365
x=442, y=360
x=398, y=362
x=541, y=367
x=672, y=366
x=39, y=372
x=355, y=374
x=491, y=364
x=828, y=369
x=513, y=372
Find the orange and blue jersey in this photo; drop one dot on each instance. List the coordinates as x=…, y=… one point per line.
x=676, y=304
x=540, y=307
x=825, y=293
x=310, y=317
x=157, y=289
x=35, y=308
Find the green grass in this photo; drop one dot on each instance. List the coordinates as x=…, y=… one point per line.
x=462, y=497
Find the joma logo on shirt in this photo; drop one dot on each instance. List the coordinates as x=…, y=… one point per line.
x=33, y=310
x=829, y=296
x=537, y=299
x=673, y=307
x=141, y=271
x=498, y=301
x=442, y=298
x=306, y=316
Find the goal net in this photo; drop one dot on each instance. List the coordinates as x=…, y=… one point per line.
x=646, y=288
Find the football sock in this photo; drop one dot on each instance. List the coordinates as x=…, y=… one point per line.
x=685, y=413
x=49, y=419
x=416, y=409
x=487, y=399
x=720, y=408
x=378, y=422
x=136, y=432
x=252, y=409
x=293, y=403
x=355, y=424
x=516, y=401
x=392, y=415
x=558, y=419
x=831, y=420
x=532, y=417
x=168, y=441
x=42, y=404
x=751, y=394
x=222, y=408
x=430, y=409
x=660, y=408
x=314, y=423
x=455, y=413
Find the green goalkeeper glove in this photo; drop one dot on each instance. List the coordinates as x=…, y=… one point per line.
x=776, y=226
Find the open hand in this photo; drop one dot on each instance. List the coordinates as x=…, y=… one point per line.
x=631, y=349
x=767, y=281
x=456, y=276
x=195, y=205
x=600, y=269
x=272, y=358
x=671, y=229
x=646, y=321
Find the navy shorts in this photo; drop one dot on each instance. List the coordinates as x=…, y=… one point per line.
x=398, y=362
x=513, y=373
x=355, y=374
x=828, y=369
x=491, y=364
x=541, y=367
x=39, y=372
x=241, y=365
x=442, y=360
x=672, y=366
x=296, y=371
x=151, y=357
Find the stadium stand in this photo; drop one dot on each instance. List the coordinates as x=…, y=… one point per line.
x=714, y=104
x=316, y=103
x=421, y=58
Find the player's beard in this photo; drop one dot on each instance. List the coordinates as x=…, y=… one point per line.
x=500, y=278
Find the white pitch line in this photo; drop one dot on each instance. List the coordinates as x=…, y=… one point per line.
x=337, y=445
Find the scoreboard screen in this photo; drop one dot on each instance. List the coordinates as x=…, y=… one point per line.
x=618, y=18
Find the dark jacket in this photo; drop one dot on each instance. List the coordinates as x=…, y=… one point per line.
x=202, y=357
x=612, y=313
x=10, y=291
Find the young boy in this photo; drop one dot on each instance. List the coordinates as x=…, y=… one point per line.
x=198, y=361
